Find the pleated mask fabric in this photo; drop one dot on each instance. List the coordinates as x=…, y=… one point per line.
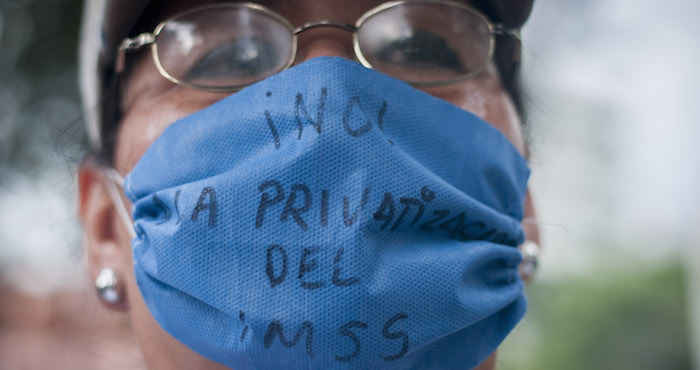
x=331, y=216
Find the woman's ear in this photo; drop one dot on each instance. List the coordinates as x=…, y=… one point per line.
x=107, y=246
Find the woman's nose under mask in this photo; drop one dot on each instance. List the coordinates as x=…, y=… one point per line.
x=331, y=217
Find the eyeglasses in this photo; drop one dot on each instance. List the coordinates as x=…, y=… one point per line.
x=225, y=47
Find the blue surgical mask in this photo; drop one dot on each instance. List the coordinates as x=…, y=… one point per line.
x=331, y=217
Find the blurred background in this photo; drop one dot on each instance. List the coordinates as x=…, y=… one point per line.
x=612, y=90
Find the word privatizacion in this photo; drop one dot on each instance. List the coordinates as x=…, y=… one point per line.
x=408, y=211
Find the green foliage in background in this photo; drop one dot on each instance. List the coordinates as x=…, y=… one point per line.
x=631, y=320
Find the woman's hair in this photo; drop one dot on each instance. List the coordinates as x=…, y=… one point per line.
x=506, y=57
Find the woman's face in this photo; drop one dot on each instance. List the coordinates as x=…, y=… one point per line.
x=150, y=103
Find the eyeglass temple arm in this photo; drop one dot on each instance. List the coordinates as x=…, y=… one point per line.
x=132, y=44
x=500, y=29
x=113, y=177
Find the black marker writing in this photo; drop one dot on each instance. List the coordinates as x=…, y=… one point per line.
x=453, y=225
x=407, y=203
x=439, y=215
x=308, y=265
x=300, y=109
x=380, y=116
x=296, y=213
x=350, y=219
x=426, y=194
x=386, y=210
x=241, y=316
x=275, y=278
x=273, y=129
x=207, y=192
x=356, y=120
x=336, y=279
x=355, y=102
x=265, y=200
x=298, y=203
x=275, y=329
x=396, y=335
x=352, y=330
x=310, y=260
x=345, y=331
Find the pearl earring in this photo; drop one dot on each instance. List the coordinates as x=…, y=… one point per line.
x=531, y=259
x=107, y=286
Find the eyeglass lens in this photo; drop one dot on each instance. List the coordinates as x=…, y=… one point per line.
x=224, y=46
x=425, y=42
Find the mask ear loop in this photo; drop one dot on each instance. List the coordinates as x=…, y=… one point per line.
x=114, y=179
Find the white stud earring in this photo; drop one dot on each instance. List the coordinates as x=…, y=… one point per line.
x=107, y=286
x=531, y=259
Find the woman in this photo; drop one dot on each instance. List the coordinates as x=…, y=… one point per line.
x=323, y=215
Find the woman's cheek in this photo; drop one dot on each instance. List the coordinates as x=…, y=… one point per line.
x=485, y=98
x=151, y=115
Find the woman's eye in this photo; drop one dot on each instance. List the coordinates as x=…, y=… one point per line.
x=239, y=58
x=422, y=50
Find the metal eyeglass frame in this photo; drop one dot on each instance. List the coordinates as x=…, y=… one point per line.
x=136, y=43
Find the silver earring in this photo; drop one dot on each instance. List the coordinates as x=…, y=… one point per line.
x=531, y=259
x=107, y=286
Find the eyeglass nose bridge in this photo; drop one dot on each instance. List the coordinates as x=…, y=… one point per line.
x=324, y=23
